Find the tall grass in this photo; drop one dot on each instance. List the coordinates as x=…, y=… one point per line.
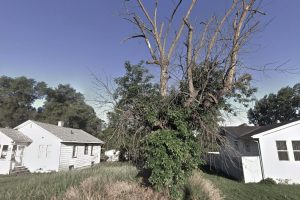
x=47, y=186
x=198, y=187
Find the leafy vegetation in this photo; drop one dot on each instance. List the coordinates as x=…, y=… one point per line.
x=269, y=181
x=283, y=106
x=161, y=134
x=64, y=103
x=170, y=157
x=16, y=98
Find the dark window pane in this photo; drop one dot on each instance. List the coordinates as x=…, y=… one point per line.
x=296, y=145
x=297, y=155
x=74, y=151
x=283, y=155
x=86, y=149
x=281, y=145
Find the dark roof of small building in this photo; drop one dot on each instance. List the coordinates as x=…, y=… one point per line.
x=244, y=131
x=240, y=131
x=15, y=135
x=69, y=134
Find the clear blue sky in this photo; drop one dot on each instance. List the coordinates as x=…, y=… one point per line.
x=59, y=41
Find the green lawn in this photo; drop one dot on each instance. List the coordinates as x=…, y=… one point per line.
x=46, y=186
x=240, y=191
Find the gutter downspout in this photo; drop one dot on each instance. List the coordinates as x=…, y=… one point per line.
x=260, y=160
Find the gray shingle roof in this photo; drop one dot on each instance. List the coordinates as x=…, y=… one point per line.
x=240, y=131
x=245, y=132
x=69, y=134
x=15, y=135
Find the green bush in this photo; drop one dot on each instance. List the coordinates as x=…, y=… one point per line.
x=170, y=157
x=268, y=181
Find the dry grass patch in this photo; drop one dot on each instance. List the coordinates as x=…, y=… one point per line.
x=89, y=190
x=199, y=187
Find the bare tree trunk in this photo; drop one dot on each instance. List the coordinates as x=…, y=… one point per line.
x=164, y=77
x=237, y=27
x=190, y=65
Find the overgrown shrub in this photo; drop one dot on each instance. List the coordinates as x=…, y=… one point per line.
x=170, y=157
x=268, y=181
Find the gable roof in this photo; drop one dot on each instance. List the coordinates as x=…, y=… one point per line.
x=65, y=134
x=240, y=131
x=246, y=132
x=15, y=135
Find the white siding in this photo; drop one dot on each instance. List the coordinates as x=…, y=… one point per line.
x=81, y=160
x=281, y=171
x=42, y=155
x=5, y=164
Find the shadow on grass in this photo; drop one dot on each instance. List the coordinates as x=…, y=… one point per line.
x=212, y=171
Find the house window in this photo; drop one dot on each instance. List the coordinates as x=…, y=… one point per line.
x=74, y=153
x=71, y=167
x=282, y=150
x=296, y=149
x=86, y=149
x=4, y=151
x=92, y=149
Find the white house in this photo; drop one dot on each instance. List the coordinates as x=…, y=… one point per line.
x=42, y=147
x=12, y=144
x=254, y=153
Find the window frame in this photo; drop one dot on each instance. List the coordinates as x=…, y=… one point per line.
x=3, y=156
x=92, y=150
x=295, y=150
x=74, y=151
x=86, y=149
x=282, y=150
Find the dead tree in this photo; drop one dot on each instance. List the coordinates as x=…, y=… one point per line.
x=157, y=36
x=162, y=45
x=241, y=13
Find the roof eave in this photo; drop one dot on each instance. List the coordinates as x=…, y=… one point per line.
x=83, y=142
x=259, y=135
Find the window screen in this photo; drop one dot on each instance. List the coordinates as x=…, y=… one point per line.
x=282, y=150
x=296, y=149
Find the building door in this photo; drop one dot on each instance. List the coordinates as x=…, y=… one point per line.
x=19, y=155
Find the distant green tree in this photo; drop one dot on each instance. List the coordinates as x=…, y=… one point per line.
x=64, y=103
x=282, y=106
x=16, y=98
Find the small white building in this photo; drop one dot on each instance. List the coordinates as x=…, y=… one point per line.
x=42, y=147
x=112, y=155
x=253, y=153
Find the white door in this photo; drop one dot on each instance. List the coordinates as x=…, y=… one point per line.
x=19, y=155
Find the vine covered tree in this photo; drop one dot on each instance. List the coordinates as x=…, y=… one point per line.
x=168, y=127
